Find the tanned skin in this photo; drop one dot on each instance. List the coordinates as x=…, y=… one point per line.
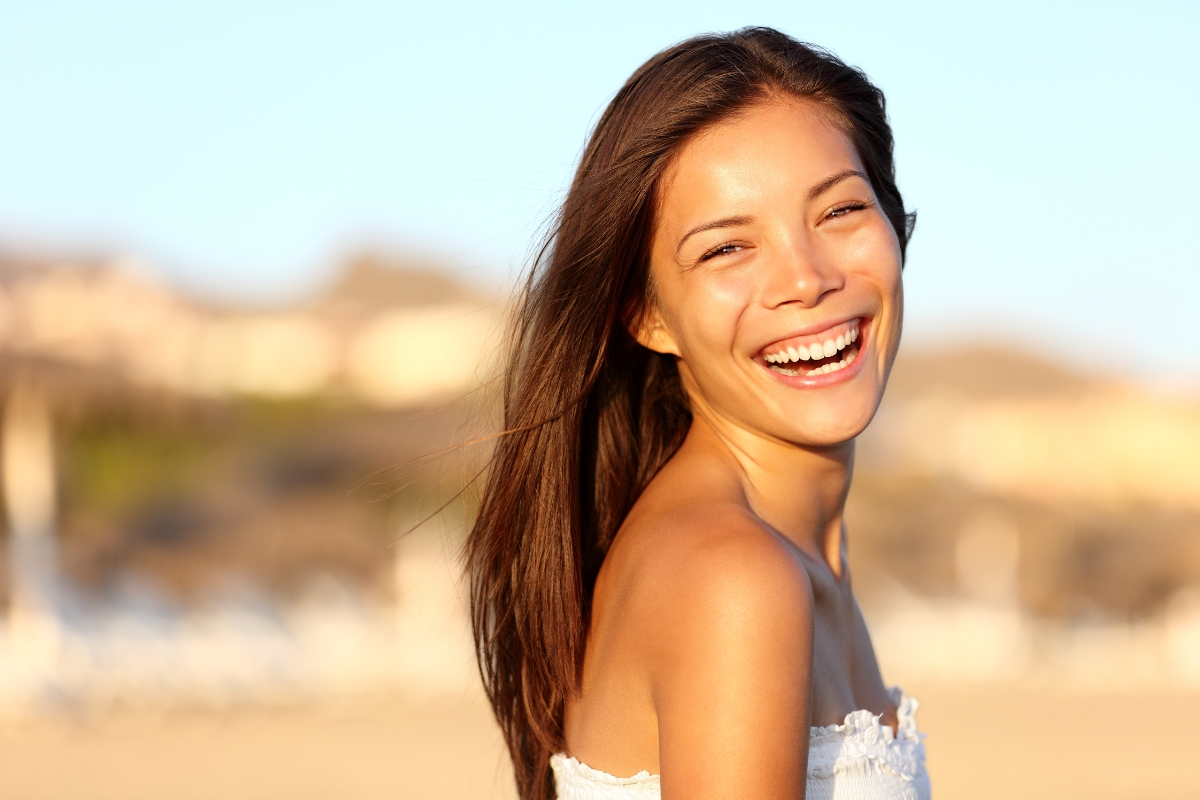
x=723, y=623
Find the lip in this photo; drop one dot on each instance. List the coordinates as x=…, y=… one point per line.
x=865, y=328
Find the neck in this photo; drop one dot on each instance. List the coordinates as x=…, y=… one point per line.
x=798, y=490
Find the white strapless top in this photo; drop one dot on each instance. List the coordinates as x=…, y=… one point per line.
x=861, y=759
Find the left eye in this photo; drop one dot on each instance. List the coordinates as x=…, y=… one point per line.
x=844, y=210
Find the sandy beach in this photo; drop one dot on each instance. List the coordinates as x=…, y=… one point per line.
x=983, y=742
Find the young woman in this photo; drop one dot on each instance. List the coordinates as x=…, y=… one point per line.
x=658, y=569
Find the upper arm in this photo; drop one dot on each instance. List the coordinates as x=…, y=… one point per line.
x=731, y=672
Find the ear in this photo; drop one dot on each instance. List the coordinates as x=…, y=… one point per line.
x=651, y=332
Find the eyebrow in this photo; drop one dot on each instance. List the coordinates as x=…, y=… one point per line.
x=813, y=193
x=832, y=181
x=726, y=222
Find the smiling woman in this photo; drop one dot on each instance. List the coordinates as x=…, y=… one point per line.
x=658, y=569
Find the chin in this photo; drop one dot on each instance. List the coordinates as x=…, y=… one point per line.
x=836, y=427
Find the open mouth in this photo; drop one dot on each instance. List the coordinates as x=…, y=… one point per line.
x=819, y=354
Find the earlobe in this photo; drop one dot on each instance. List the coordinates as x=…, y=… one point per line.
x=652, y=334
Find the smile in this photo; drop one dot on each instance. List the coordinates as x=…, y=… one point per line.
x=819, y=354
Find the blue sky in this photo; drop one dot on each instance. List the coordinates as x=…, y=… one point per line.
x=243, y=148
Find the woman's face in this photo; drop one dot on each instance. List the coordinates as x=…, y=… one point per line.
x=777, y=276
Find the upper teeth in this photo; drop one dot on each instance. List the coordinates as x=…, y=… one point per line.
x=815, y=350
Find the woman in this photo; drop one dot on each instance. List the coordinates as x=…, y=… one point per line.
x=658, y=569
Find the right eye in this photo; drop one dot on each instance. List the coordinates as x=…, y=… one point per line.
x=722, y=250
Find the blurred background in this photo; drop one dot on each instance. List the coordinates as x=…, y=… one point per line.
x=253, y=264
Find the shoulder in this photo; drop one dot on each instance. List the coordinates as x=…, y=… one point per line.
x=712, y=576
x=723, y=551
x=724, y=612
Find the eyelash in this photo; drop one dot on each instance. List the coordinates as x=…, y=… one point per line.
x=717, y=251
x=854, y=205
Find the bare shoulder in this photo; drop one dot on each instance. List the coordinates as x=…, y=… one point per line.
x=720, y=611
x=704, y=573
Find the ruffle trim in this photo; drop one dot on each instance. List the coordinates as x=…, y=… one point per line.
x=863, y=744
x=571, y=764
x=576, y=781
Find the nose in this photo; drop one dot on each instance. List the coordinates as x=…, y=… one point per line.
x=800, y=273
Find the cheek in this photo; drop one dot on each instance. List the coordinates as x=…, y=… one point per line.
x=874, y=261
x=876, y=252
x=710, y=310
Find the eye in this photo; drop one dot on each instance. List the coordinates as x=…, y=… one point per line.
x=722, y=250
x=846, y=208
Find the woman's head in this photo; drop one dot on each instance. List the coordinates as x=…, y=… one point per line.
x=741, y=129
x=776, y=276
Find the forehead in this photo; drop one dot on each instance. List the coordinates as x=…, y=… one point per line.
x=778, y=147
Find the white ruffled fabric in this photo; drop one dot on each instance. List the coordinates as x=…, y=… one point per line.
x=576, y=781
x=861, y=759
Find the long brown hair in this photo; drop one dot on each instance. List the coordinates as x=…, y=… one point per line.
x=590, y=415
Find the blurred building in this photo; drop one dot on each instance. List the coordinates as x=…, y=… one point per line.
x=390, y=337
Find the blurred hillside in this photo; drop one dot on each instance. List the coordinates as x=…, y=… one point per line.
x=1011, y=519
x=241, y=483
x=1096, y=481
x=195, y=442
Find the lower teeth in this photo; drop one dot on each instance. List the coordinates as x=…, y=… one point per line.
x=792, y=373
x=825, y=370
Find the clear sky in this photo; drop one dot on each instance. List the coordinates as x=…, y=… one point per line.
x=242, y=148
